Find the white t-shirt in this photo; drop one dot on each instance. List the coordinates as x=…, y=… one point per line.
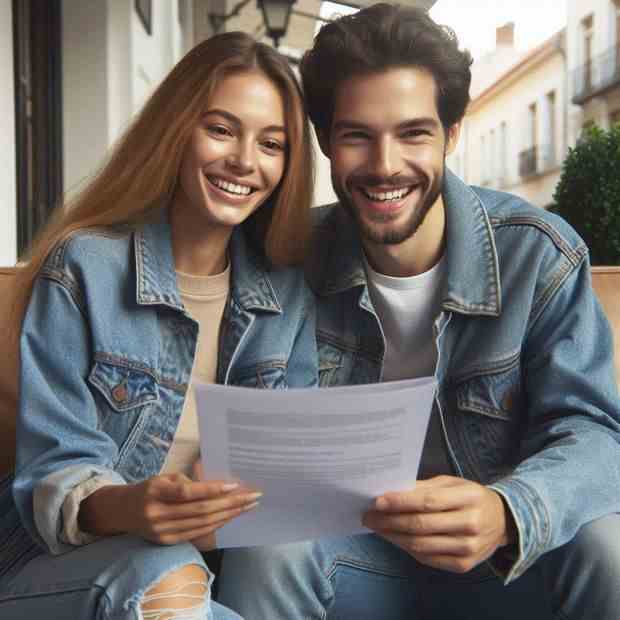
x=407, y=308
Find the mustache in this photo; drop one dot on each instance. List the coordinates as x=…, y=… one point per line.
x=373, y=180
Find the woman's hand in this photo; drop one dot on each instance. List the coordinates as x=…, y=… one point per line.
x=166, y=509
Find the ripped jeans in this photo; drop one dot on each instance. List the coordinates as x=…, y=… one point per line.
x=112, y=579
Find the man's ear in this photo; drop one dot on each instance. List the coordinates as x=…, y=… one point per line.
x=452, y=137
x=323, y=138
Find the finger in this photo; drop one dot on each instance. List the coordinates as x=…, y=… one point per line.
x=175, y=538
x=183, y=525
x=437, y=545
x=198, y=472
x=449, y=563
x=190, y=491
x=205, y=507
x=421, y=524
x=429, y=498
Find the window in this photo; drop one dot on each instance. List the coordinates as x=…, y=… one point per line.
x=503, y=154
x=533, y=123
x=38, y=114
x=617, y=55
x=550, y=131
x=484, y=169
x=587, y=29
x=492, y=157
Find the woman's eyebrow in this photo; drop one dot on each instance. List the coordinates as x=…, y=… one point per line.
x=237, y=121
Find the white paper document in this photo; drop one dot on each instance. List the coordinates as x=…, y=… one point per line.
x=320, y=456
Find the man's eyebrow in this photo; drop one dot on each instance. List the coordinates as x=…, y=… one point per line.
x=340, y=125
x=425, y=121
x=236, y=121
x=429, y=121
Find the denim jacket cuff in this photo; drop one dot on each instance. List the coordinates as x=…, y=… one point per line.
x=532, y=525
x=49, y=498
x=71, y=532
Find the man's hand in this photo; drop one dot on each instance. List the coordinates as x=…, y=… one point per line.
x=444, y=522
x=166, y=509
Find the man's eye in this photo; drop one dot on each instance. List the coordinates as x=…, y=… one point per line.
x=354, y=136
x=416, y=133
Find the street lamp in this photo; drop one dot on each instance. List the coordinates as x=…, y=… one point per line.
x=276, y=14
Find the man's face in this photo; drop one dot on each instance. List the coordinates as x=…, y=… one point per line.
x=387, y=148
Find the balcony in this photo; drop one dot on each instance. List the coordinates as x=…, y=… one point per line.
x=597, y=77
x=536, y=160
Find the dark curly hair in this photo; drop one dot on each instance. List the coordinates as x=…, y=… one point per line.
x=378, y=38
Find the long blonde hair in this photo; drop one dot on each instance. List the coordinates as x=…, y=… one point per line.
x=142, y=168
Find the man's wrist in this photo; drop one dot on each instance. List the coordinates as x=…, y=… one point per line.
x=511, y=532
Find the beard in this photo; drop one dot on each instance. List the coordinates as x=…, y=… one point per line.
x=383, y=233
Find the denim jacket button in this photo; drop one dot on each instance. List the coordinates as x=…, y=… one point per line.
x=119, y=393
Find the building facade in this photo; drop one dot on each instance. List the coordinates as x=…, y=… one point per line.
x=593, y=51
x=75, y=73
x=514, y=136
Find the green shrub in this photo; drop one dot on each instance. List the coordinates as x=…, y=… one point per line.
x=588, y=193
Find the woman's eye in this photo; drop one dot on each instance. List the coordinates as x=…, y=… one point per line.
x=219, y=131
x=273, y=145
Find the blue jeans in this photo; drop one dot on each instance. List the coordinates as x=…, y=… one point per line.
x=367, y=578
x=103, y=580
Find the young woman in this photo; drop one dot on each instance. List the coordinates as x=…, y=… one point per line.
x=170, y=266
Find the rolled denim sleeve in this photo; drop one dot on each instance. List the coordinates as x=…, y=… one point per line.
x=59, y=443
x=569, y=470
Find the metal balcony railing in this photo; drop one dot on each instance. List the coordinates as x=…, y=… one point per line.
x=597, y=76
x=528, y=162
x=536, y=160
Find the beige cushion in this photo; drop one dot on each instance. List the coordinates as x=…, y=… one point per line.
x=9, y=361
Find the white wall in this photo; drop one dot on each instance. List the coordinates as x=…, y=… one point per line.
x=8, y=198
x=110, y=66
x=86, y=114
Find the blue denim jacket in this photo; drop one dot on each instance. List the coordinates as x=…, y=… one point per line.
x=106, y=355
x=527, y=395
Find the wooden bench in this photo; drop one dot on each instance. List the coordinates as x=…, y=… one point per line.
x=606, y=282
x=8, y=376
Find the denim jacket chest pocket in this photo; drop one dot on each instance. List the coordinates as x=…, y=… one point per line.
x=123, y=393
x=267, y=374
x=488, y=416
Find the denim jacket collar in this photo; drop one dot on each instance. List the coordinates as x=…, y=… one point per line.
x=156, y=282
x=473, y=283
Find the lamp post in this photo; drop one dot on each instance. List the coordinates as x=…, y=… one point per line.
x=276, y=15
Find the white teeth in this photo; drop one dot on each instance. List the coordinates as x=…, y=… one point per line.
x=233, y=188
x=395, y=194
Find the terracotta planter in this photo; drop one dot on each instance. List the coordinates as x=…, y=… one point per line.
x=606, y=282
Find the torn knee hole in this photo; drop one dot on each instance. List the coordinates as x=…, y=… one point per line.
x=181, y=595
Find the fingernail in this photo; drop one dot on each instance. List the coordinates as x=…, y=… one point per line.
x=252, y=496
x=250, y=506
x=229, y=486
x=381, y=503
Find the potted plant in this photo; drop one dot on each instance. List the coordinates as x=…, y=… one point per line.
x=588, y=197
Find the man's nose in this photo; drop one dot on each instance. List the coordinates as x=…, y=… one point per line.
x=386, y=158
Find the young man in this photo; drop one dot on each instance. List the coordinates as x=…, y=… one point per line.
x=417, y=274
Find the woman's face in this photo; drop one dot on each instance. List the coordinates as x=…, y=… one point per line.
x=236, y=157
